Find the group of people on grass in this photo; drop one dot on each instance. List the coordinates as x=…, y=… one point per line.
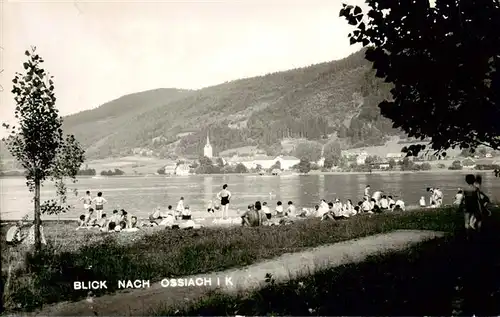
x=118, y=221
x=260, y=214
x=435, y=198
x=97, y=219
x=122, y=221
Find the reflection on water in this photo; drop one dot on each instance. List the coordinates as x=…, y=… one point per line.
x=140, y=195
x=208, y=189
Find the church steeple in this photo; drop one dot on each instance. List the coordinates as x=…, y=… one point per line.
x=207, y=151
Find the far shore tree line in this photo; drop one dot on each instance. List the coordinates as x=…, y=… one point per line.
x=206, y=166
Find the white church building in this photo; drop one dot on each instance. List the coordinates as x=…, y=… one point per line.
x=208, y=151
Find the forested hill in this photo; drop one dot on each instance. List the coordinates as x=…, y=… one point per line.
x=316, y=102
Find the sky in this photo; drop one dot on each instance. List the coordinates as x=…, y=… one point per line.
x=98, y=51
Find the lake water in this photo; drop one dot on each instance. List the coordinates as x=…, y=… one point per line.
x=140, y=195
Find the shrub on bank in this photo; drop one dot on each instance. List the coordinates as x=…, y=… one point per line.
x=49, y=276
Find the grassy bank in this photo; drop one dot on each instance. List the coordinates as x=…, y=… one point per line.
x=441, y=277
x=49, y=276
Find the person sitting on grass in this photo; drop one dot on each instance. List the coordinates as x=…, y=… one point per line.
x=123, y=217
x=401, y=205
x=155, y=217
x=366, y=206
x=262, y=215
x=246, y=215
x=421, y=202
x=377, y=209
x=348, y=209
x=291, y=211
x=216, y=209
x=330, y=214
x=101, y=223
x=129, y=227
x=14, y=235
x=458, y=197
x=82, y=223
x=357, y=210
x=374, y=207
x=210, y=207
x=337, y=211
x=337, y=206
x=169, y=220
x=323, y=209
x=252, y=217
x=111, y=227
x=133, y=222
x=169, y=211
x=279, y=209
x=122, y=225
x=186, y=213
x=115, y=217
x=267, y=211
x=360, y=207
x=384, y=203
x=391, y=202
x=155, y=214
x=306, y=212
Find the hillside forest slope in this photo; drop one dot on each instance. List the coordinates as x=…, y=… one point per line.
x=338, y=98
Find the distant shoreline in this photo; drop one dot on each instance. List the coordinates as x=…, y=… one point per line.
x=435, y=171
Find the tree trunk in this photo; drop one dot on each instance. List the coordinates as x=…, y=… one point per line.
x=38, y=244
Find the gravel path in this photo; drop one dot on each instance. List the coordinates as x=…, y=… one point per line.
x=140, y=301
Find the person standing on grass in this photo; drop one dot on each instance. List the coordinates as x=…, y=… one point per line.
x=483, y=201
x=367, y=191
x=99, y=204
x=87, y=201
x=180, y=208
x=224, y=196
x=186, y=214
x=470, y=206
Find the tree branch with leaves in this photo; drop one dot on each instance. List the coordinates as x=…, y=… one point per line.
x=37, y=142
x=443, y=63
